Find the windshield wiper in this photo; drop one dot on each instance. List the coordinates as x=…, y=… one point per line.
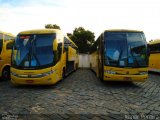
x=33, y=49
x=22, y=62
x=135, y=59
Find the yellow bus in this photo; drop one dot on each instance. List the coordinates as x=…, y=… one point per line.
x=6, y=43
x=154, y=59
x=120, y=55
x=42, y=56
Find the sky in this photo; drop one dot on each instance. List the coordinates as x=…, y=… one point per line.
x=93, y=15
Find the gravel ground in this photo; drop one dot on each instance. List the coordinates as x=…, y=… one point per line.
x=82, y=96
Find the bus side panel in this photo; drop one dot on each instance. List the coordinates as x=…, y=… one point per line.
x=154, y=62
x=63, y=63
x=7, y=55
x=72, y=61
x=2, y=63
x=5, y=58
x=94, y=62
x=71, y=54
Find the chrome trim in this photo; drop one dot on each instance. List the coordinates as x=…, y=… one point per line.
x=34, y=75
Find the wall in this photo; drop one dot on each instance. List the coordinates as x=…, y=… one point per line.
x=84, y=61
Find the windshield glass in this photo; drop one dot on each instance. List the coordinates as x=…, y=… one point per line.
x=125, y=49
x=33, y=51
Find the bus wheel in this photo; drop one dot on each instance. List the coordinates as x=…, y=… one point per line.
x=6, y=73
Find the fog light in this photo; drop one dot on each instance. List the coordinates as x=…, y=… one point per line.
x=110, y=72
x=143, y=73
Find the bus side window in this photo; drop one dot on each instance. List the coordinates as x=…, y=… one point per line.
x=65, y=44
x=155, y=48
x=58, y=52
x=9, y=46
x=59, y=48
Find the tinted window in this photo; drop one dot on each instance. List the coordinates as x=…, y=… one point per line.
x=9, y=45
x=155, y=48
x=69, y=43
x=44, y=49
x=34, y=50
x=116, y=45
x=125, y=49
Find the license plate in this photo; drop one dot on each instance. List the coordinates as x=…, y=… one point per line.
x=127, y=78
x=29, y=81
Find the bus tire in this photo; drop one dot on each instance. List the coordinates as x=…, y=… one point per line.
x=6, y=73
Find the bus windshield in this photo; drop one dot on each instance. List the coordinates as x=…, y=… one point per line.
x=33, y=51
x=125, y=49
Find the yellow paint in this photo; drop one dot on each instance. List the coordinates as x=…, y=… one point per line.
x=20, y=76
x=154, y=58
x=121, y=74
x=5, y=55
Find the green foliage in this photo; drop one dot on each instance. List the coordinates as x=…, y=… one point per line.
x=82, y=38
x=52, y=26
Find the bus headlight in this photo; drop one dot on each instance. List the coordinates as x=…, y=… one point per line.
x=14, y=74
x=110, y=72
x=143, y=72
x=34, y=75
x=49, y=73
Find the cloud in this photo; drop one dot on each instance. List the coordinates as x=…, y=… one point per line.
x=27, y=16
x=16, y=3
x=95, y=15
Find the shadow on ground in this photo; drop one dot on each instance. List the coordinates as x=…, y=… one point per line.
x=154, y=73
x=121, y=84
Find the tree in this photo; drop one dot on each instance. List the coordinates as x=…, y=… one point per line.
x=82, y=38
x=52, y=26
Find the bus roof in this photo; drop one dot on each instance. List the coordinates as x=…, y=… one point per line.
x=154, y=42
x=7, y=33
x=122, y=30
x=41, y=31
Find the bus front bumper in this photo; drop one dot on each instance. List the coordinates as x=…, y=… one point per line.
x=47, y=80
x=115, y=77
